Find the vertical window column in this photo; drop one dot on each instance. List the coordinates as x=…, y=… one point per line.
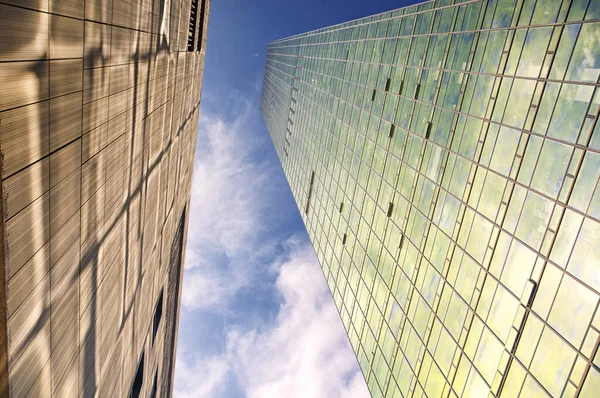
x=202, y=12
x=192, y=25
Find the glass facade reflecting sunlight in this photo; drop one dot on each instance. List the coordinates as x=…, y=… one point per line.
x=445, y=159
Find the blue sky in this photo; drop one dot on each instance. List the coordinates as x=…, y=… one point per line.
x=257, y=319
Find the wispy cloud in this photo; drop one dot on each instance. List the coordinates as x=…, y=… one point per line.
x=225, y=201
x=199, y=377
x=229, y=204
x=305, y=353
x=257, y=317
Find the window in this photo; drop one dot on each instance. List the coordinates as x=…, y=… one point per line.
x=192, y=27
x=157, y=315
x=154, y=385
x=310, y=188
x=428, y=131
x=200, y=25
x=138, y=381
x=171, y=317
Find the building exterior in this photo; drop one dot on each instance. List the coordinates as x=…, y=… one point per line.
x=99, y=104
x=445, y=159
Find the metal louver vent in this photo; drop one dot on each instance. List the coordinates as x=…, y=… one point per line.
x=192, y=26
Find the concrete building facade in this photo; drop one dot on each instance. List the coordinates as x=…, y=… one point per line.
x=99, y=104
x=445, y=158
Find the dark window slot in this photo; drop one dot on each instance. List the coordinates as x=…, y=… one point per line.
x=532, y=293
x=192, y=26
x=392, y=128
x=401, y=242
x=387, y=84
x=373, y=96
x=417, y=90
x=200, y=25
x=341, y=207
x=154, y=385
x=138, y=381
x=173, y=262
x=286, y=152
x=401, y=87
x=347, y=54
x=428, y=131
x=532, y=286
x=390, y=209
x=344, y=239
x=158, y=310
x=310, y=189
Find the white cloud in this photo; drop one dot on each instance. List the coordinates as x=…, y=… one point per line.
x=197, y=378
x=305, y=353
x=234, y=241
x=230, y=198
x=225, y=200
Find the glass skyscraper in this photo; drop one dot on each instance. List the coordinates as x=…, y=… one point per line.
x=445, y=158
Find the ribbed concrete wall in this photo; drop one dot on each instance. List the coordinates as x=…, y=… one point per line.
x=99, y=105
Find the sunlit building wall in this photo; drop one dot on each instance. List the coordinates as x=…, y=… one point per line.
x=99, y=105
x=445, y=159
